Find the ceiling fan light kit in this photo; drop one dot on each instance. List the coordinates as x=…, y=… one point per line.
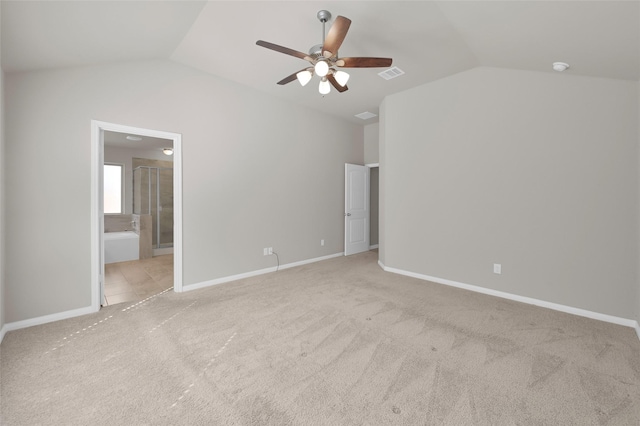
x=324, y=57
x=321, y=68
x=324, y=87
x=304, y=77
x=342, y=77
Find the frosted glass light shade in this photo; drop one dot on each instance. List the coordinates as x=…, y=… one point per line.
x=321, y=68
x=341, y=77
x=304, y=77
x=324, y=87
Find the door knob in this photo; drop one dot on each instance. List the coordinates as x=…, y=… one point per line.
x=347, y=214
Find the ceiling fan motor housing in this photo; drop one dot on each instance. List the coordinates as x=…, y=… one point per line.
x=316, y=51
x=324, y=15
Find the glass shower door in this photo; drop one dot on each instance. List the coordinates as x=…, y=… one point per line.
x=153, y=195
x=165, y=207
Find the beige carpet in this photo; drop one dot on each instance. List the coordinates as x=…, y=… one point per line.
x=338, y=342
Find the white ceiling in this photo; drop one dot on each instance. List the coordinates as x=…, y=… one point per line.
x=426, y=39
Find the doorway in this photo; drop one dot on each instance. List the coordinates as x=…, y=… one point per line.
x=97, y=201
x=374, y=191
x=361, y=208
x=357, y=214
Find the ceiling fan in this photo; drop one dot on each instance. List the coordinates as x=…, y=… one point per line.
x=324, y=57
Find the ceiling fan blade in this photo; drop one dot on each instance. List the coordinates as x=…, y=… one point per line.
x=336, y=36
x=290, y=78
x=284, y=50
x=335, y=84
x=364, y=62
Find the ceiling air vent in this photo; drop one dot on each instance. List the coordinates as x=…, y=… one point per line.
x=366, y=115
x=391, y=73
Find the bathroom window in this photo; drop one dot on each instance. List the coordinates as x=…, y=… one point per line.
x=113, y=200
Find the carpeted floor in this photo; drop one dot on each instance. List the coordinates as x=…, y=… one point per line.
x=338, y=342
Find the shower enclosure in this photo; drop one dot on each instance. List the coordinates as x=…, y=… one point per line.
x=153, y=195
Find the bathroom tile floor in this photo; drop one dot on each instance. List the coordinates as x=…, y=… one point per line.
x=136, y=280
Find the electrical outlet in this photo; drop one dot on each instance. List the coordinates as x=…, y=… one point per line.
x=270, y=250
x=497, y=268
x=265, y=251
x=321, y=242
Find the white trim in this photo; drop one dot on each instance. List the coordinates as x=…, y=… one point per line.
x=3, y=331
x=307, y=261
x=97, y=147
x=384, y=268
x=46, y=319
x=375, y=246
x=528, y=300
x=255, y=273
x=177, y=212
x=372, y=165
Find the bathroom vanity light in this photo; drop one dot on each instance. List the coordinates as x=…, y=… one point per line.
x=167, y=151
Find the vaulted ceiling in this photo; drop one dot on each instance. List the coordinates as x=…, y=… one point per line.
x=427, y=40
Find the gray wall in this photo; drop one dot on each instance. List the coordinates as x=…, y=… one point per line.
x=382, y=184
x=371, y=156
x=371, y=144
x=374, y=191
x=253, y=175
x=536, y=171
x=2, y=197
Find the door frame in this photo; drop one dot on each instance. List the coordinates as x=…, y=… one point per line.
x=97, y=209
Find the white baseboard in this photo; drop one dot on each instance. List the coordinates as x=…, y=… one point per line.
x=528, y=300
x=315, y=259
x=230, y=278
x=375, y=246
x=45, y=319
x=89, y=310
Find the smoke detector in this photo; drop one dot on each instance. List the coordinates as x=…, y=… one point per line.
x=560, y=66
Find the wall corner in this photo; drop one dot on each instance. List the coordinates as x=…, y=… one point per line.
x=2, y=202
x=382, y=184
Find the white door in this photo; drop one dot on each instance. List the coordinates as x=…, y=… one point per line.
x=356, y=202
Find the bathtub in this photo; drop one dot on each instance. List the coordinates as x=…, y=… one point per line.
x=121, y=246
